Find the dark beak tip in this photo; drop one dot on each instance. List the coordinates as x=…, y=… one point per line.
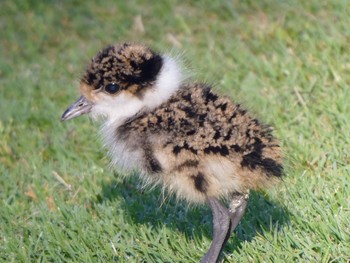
x=79, y=107
x=64, y=115
x=62, y=118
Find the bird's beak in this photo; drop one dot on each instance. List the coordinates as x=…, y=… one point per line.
x=80, y=107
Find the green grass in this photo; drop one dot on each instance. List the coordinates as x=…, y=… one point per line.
x=287, y=61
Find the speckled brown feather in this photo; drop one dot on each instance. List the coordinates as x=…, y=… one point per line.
x=196, y=128
x=131, y=66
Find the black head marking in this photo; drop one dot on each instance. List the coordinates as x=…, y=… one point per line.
x=145, y=71
x=126, y=65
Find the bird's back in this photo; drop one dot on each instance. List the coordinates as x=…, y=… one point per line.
x=199, y=144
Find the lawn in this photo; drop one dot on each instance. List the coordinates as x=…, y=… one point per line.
x=286, y=61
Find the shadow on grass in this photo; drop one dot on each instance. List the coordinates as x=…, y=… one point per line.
x=149, y=207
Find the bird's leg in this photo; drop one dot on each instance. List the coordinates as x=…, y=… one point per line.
x=236, y=210
x=221, y=227
x=224, y=222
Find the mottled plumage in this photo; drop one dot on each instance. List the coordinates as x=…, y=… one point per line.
x=182, y=135
x=202, y=144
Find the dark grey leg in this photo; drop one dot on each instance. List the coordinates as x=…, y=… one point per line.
x=221, y=225
x=236, y=210
x=224, y=222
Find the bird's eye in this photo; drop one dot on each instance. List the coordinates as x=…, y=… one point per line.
x=112, y=88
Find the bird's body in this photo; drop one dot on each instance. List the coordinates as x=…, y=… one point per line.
x=196, y=144
x=183, y=136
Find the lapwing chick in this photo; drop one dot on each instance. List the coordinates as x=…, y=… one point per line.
x=179, y=134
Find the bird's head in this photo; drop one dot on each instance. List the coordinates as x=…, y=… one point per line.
x=124, y=79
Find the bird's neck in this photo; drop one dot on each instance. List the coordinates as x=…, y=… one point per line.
x=167, y=83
